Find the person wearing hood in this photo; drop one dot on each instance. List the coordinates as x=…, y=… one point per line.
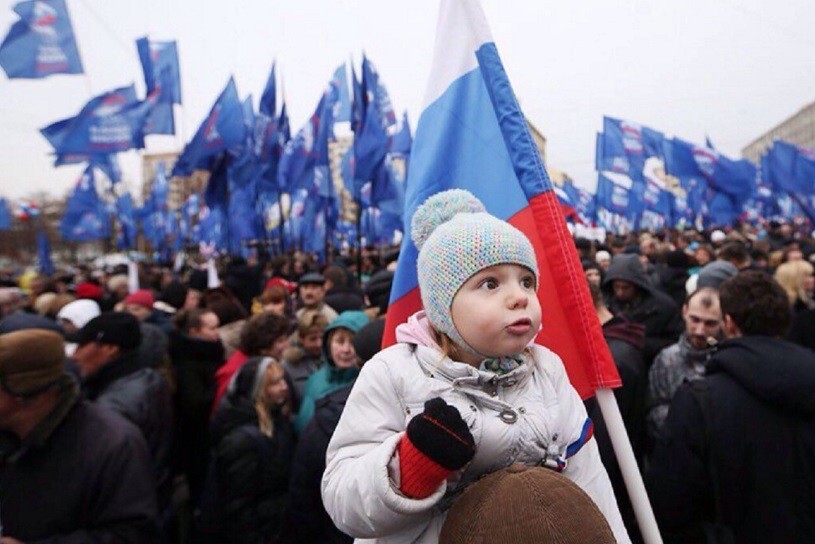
x=736, y=457
x=625, y=340
x=340, y=363
x=685, y=360
x=252, y=447
x=629, y=292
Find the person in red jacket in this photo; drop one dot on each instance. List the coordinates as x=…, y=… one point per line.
x=264, y=335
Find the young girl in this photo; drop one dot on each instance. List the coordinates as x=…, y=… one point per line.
x=464, y=393
x=252, y=447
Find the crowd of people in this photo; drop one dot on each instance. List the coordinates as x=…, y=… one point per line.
x=262, y=410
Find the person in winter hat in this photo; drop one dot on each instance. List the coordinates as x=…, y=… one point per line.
x=464, y=393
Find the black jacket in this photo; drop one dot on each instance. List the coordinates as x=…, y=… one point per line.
x=306, y=520
x=83, y=475
x=653, y=308
x=251, y=472
x=757, y=449
x=625, y=340
x=140, y=395
x=195, y=362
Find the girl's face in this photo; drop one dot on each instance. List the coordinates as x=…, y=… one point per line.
x=341, y=348
x=276, y=389
x=593, y=276
x=496, y=311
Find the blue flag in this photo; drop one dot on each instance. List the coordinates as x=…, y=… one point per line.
x=162, y=76
x=222, y=129
x=359, y=103
x=5, y=215
x=296, y=169
x=655, y=205
x=370, y=143
x=268, y=100
x=159, y=61
x=109, y=123
x=128, y=231
x=342, y=106
x=402, y=141
x=617, y=205
x=85, y=218
x=44, y=254
x=377, y=94
x=41, y=43
x=108, y=163
x=624, y=147
x=582, y=201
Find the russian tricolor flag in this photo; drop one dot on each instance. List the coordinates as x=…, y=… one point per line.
x=472, y=135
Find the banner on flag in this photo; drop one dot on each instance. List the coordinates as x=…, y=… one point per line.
x=41, y=43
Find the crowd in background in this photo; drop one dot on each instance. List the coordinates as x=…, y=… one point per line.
x=180, y=413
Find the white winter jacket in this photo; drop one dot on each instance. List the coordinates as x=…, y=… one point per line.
x=530, y=415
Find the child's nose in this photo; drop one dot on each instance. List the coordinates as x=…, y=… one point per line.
x=518, y=298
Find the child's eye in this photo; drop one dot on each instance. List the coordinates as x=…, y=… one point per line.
x=489, y=284
x=528, y=282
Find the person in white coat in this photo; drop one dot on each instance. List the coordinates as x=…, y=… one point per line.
x=464, y=393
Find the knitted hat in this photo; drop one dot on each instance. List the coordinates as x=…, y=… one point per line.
x=30, y=361
x=89, y=290
x=457, y=238
x=525, y=505
x=114, y=328
x=142, y=297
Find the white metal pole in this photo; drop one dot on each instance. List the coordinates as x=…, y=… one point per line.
x=628, y=466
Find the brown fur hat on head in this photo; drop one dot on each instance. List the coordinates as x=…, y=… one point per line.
x=525, y=505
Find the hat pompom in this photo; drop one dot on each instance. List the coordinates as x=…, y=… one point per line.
x=440, y=208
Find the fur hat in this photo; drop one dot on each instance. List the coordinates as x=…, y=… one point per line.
x=525, y=505
x=457, y=238
x=31, y=360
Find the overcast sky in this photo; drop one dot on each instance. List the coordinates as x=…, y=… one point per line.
x=727, y=69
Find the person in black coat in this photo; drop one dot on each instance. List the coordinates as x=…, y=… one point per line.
x=737, y=455
x=114, y=377
x=70, y=471
x=630, y=293
x=253, y=443
x=197, y=352
x=625, y=340
x=306, y=521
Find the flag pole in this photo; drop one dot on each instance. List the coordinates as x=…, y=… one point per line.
x=628, y=466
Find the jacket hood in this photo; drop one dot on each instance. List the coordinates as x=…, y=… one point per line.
x=778, y=372
x=621, y=328
x=417, y=331
x=351, y=320
x=238, y=405
x=630, y=269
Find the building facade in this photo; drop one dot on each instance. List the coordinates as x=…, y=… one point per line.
x=798, y=129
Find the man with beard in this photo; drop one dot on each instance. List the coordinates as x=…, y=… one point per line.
x=686, y=359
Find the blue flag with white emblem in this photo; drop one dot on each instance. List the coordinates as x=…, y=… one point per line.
x=41, y=43
x=109, y=123
x=85, y=218
x=223, y=128
x=162, y=76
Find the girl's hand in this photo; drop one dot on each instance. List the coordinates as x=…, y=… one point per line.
x=438, y=442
